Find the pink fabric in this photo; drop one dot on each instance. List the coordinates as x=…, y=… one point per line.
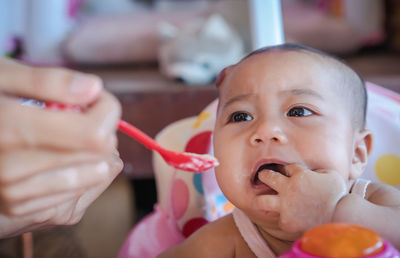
x=154, y=234
x=73, y=7
x=375, y=89
x=360, y=187
x=383, y=119
x=251, y=235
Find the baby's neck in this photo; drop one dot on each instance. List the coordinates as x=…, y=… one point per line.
x=278, y=240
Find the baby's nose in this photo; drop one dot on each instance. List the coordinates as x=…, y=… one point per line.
x=267, y=132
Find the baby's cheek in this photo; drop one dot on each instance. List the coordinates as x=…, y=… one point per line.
x=224, y=179
x=222, y=148
x=329, y=158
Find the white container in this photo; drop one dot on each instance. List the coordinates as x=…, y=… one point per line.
x=47, y=24
x=266, y=23
x=4, y=27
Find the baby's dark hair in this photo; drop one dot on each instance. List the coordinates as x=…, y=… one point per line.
x=356, y=92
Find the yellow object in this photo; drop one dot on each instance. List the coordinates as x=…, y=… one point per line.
x=341, y=240
x=387, y=169
x=200, y=118
x=228, y=207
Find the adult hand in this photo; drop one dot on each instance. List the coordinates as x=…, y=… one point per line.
x=53, y=164
x=305, y=198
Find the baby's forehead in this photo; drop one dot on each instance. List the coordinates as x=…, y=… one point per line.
x=289, y=58
x=336, y=78
x=300, y=66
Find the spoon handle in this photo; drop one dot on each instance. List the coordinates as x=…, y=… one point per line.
x=138, y=135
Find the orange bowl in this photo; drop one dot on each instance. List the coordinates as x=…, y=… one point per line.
x=341, y=240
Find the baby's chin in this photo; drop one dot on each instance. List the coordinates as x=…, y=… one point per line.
x=266, y=219
x=262, y=214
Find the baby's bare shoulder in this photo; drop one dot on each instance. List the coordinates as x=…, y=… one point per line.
x=383, y=194
x=216, y=239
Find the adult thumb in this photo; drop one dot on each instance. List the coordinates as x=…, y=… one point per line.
x=48, y=83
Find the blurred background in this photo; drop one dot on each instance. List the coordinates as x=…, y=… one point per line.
x=161, y=57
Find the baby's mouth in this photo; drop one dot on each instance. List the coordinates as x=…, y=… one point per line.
x=268, y=166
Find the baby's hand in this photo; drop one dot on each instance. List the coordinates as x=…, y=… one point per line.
x=305, y=198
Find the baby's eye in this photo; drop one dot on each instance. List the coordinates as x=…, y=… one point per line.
x=299, y=111
x=240, y=117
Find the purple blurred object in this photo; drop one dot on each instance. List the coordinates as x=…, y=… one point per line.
x=388, y=252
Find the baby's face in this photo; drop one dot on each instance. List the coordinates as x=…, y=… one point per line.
x=282, y=108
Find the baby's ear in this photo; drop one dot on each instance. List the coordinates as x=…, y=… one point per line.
x=362, y=149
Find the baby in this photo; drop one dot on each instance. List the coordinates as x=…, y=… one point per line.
x=291, y=140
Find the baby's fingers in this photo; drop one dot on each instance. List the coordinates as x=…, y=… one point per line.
x=273, y=179
x=48, y=84
x=293, y=169
x=269, y=203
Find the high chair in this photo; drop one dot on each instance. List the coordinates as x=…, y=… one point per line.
x=187, y=201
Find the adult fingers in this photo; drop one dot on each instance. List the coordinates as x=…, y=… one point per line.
x=89, y=196
x=61, y=214
x=48, y=84
x=68, y=211
x=36, y=161
x=273, y=179
x=41, y=204
x=71, y=212
x=16, y=225
x=34, y=193
x=269, y=203
x=107, y=113
x=22, y=126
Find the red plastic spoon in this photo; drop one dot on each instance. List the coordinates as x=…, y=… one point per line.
x=181, y=160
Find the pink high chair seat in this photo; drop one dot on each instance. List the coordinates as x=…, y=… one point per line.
x=187, y=201
x=383, y=119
